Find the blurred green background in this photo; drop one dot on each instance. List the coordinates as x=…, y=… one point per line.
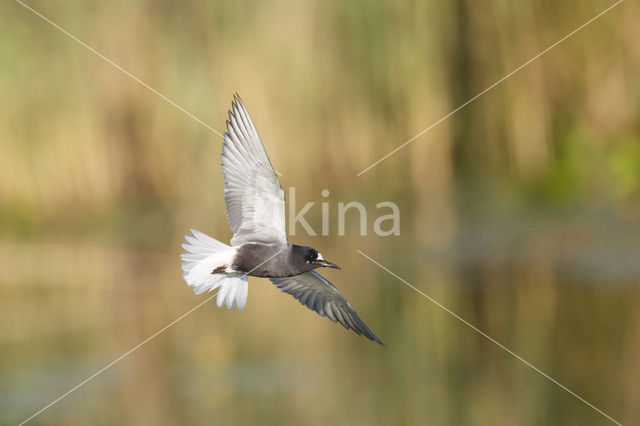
x=521, y=213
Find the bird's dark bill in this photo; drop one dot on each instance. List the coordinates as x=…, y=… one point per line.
x=322, y=262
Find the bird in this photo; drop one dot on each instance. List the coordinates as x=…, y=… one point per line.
x=255, y=206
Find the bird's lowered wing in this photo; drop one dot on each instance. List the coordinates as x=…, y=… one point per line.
x=318, y=294
x=252, y=191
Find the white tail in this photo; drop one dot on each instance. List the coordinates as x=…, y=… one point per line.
x=204, y=254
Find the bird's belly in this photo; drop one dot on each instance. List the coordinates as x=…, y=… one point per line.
x=267, y=269
x=268, y=273
x=259, y=260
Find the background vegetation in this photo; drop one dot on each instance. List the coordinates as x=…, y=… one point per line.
x=521, y=213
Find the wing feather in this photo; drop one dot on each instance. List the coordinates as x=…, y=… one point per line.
x=316, y=293
x=253, y=195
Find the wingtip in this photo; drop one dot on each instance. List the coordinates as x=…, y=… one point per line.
x=378, y=341
x=232, y=112
x=369, y=335
x=236, y=103
x=361, y=327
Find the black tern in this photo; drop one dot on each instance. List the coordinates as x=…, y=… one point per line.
x=255, y=206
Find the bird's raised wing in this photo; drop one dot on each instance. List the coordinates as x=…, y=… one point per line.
x=316, y=293
x=252, y=191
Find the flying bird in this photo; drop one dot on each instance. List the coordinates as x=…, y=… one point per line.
x=255, y=206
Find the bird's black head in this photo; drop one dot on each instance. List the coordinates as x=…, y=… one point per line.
x=308, y=259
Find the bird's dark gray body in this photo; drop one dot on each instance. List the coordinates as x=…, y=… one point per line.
x=276, y=260
x=265, y=260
